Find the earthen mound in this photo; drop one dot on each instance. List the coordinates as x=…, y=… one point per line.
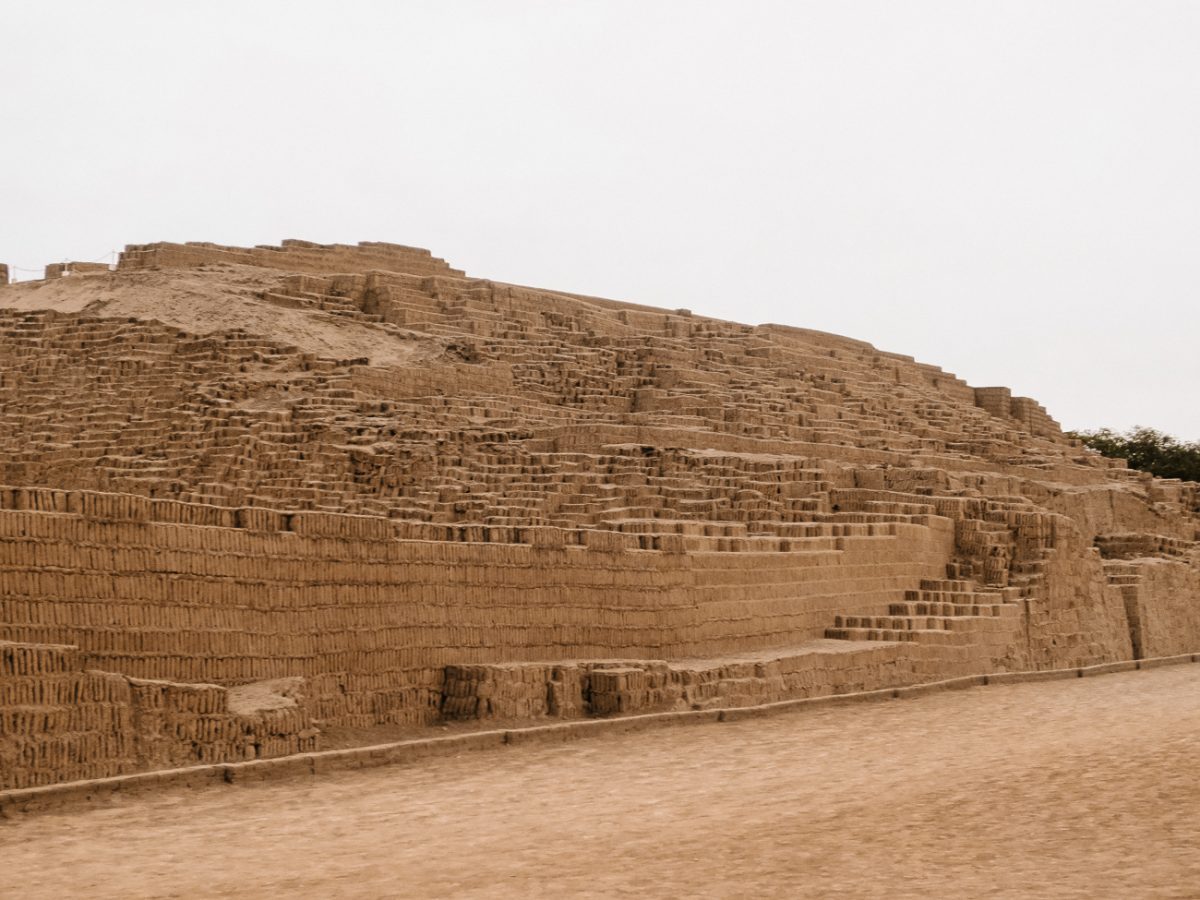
x=263, y=500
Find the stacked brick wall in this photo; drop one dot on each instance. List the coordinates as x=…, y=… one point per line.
x=58, y=722
x=1033, y=417
x=497, y=426
x=1138, y=544
x=1112, y=508
x=62, y=722
x=61, y=270
x=1158, y=580
x=372, y=623
x=578, y=688
x=544, y=505
x=292, y=255
x=1078, y=619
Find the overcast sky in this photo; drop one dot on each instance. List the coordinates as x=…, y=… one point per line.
x=1009, y=190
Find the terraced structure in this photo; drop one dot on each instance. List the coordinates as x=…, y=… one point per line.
x=259, y=501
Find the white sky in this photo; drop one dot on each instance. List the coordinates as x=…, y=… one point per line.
x=1009, y=190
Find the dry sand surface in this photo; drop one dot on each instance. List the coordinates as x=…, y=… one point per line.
x=1086, y=788
x=215, y=298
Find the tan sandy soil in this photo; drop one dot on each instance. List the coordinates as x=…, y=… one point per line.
x=214, y=298
x=1085, y=789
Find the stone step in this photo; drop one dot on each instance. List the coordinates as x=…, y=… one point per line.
x=926, y=608
x=914, y=623
x=948, y=585
x=922, y=635
x=965, y=597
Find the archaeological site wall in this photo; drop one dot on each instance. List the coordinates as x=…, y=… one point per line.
x=292, y=255
x=371, y=619
x=499, y=503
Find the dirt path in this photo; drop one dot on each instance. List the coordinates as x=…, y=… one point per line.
x=1086, y=788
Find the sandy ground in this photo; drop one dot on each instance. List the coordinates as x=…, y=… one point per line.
x=1086, y=788
x=212, y=298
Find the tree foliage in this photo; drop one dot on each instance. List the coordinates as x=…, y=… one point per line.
x=1147, y=450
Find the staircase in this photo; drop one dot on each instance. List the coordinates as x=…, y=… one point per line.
x=968, y=629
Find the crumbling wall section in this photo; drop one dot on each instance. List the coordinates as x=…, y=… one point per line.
x=1115, y=507
x=1162, y=603
x=1076, y=617
x=62, y=722
x=59, y=722
x=63, y=269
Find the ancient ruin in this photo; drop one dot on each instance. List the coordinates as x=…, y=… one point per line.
x=258, y=500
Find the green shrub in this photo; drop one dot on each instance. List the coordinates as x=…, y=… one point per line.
x=1147, y=450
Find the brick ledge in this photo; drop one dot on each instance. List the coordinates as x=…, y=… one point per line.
x=22, y=801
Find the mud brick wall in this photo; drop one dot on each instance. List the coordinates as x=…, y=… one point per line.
x=61, y=270
x=60, y=722
x=1077, y=617
x=371, y=623
x=185, y=724
x=514, y=691
x=293, y=255
x=1160, y=603
x=514, y=411
x=573, y=689
x=537, y=486
x=1110, y=508
x=1032, y=416
x=1137, y=544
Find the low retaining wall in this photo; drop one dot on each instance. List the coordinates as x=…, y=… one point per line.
x=60, y=722
x=371, y=621
x=16, y=803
